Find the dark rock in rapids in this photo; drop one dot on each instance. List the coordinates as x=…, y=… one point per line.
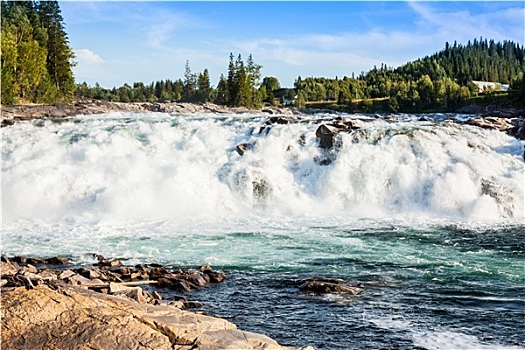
x=327, y=132
x=243, y=147
x=318, y=285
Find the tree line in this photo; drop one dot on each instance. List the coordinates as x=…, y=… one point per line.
x=241, y=87
x=442, y=81
x=36, y=57
x=37, y=61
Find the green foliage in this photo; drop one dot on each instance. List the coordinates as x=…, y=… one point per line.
x=266, y=91
x=242, y=87
x=442, y=81
x=36, y=57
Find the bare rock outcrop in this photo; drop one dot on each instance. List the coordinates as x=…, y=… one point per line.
x=74, y=318
x=494, y=123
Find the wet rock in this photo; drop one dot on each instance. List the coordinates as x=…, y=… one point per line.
x=502, y=196
x=109, y=263
x=89, y=273
x=328, y=285
x=215, y=276
x=35, y=279
x=243, y=147
x=23, y=281
x=195, y=278
x=518, y=130
x=57, y=260
x=174, y=284
x=19, y=260
x=155, y=295
x=157, y=271
x=281, y=120
x=35, y=261
x=7, y=122
x=328, y=132
x=326, y=135
x=193, y=305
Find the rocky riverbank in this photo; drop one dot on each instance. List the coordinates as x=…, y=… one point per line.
x=50, y=304
x=509, y=120
x=12, y=114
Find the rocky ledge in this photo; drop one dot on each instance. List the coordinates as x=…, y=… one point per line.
x=12, y=114
x=58, y=306
x=74, y=318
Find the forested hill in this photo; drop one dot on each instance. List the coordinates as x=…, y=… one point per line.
x=439, y=82
x=481, y=60
x=36, y=56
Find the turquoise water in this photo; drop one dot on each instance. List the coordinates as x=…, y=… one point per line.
x=428, y=215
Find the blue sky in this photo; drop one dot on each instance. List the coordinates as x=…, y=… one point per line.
x=124, y=42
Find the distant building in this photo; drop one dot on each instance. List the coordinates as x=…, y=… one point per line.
x=483, y=86
x=289, y=102
x=287, y=96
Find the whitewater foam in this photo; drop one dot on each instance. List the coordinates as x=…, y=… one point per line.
x=124, y=166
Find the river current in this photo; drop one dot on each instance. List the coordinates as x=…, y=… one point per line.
x=426, y=211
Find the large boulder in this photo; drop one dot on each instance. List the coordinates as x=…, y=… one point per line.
x=73, y=318
x=327, y=132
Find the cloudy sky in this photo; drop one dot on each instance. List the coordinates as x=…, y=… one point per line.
x=124, y=42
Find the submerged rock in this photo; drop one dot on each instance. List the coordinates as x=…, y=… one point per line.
x=318, y=285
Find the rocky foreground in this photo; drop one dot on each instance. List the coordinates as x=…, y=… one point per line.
x=54, y=304
x=74, y=318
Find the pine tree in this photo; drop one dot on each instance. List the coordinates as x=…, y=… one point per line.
x=222, y=95
x=230, y=83
x=204, y=87
x=59, y=54
x=241, y=94
x=254, y=76
x=190, y=84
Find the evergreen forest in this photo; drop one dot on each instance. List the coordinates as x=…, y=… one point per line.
x=37, y=61
x=36, y=57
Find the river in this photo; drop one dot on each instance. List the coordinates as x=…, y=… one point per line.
x=426, y=211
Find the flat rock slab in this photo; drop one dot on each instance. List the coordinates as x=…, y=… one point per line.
x=73, y=318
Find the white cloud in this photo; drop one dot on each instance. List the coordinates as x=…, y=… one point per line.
x=500, y=24
x=86, y=56
x=90, y=66
x=329, y=54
